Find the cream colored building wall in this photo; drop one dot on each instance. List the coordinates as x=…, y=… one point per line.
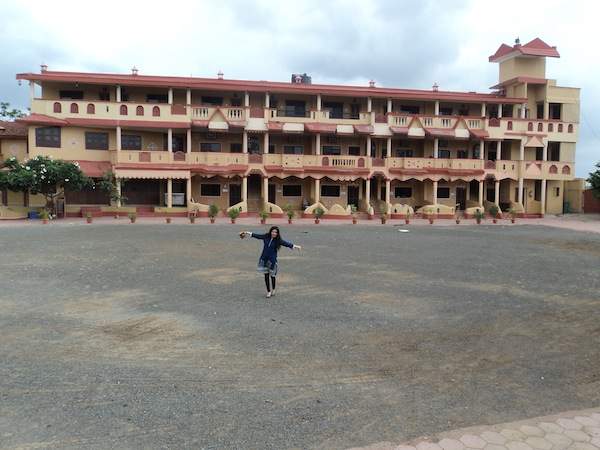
x=532, y=206
x=295, y=202
x=72, y=145
x=13, y=147
x=574, y=194
x=223, y=200
x=225, y=139
x=527, y=67
x=554, y=203
x=417, y=197
x=567, y=151
x=90, y=92
x=342, y=200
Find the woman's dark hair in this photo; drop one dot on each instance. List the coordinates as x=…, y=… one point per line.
x=274, y=227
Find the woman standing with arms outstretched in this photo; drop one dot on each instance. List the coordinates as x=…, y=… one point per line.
x=267, y=263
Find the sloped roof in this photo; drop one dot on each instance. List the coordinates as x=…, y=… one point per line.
x=12, y=130
x=535, y=47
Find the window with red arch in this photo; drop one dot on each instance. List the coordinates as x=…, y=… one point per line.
x=553, y=169
x=91, y=108
x=550, y=127
x=566, y=170
x=530, y=126
x=509, y=125
x=57, y=107
x=570, y=129
x=156, y=111
x=560, y=127
x=123, y=110
x=74, y=108
x=540, y=126
x=139, y=111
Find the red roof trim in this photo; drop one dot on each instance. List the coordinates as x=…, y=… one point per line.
x=535, y=47
x=320, y=127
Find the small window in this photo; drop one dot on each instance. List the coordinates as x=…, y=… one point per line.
x=540, y=126
x=139, y=110
x=210, y=147
x=271, y=148
x=330, y=190
x=570, y=128
x=554, y=109
x=123, y=110
x=550, y=127
x=57, y=107
x=293, y=150
x=537, y=191
x=292, y=190
x=557, y=192
x=332, y=150
x=91, y=109
x=131, y=142
x=156, y=111
x=74, y=108
x=530, y=126
x=156, y=98
x=462, y=154
x=553, y=151
x=443, y=153
x=560, y=127
x=443, y=192
x=71, y=95
x=236, y=147
x=402, y=192
x=210, y=190
x=509, y=125
x=47, y=137
x=354, y=150
x=96, y=141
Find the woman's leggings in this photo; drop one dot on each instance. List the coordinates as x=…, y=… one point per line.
x=272, y=286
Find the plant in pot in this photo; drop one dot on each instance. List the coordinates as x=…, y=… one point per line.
x=457, y=219
x=318, y=212
x=213, y=210
x=353, y=211
x=494, y=212
x=430, y=217
x=88, y=217
x=383, y=210
x=264, y=215
x=289, y=212
x=513, y=215
x=407, y=217
x=233, y=214
x=479, y=215
x=192, y=217
x=132, y=216
x=44, y=216
x=168, y=219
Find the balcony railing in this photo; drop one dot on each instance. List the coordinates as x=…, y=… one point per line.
x=434, y=163
x=301, y=161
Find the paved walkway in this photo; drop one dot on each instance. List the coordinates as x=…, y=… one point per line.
x=575, y=430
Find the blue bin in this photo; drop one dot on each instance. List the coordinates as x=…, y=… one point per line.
x=33, y=215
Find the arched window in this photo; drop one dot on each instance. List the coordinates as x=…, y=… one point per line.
x=550, y=127
x=74, y=108
x=123, y=110
x=570, y=128
x=156, y=111
x=57, y=107
x=530, y=126
x=91, y=109
x=139, y=111
x=566, y=170
x=553, y=169
x=509, y=125
x=560, y=127
x=540, y=126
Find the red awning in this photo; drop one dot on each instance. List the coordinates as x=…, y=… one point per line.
x=364, y=129
x=275, y=126
x=94, y=169
x=41, y=119
x=479, y=134
x=320, y=128
x=399, y=130
x=440, y=132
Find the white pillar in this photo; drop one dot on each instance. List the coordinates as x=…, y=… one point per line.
x=317, y=190
x=524, y=111
x=265, y=190
x=318, y=102
x=188, y=140
x=389, y=147
x=369, y=104
x=436, y=146
x=246, y=100
x=266, y=143
x=545, y=152
x=497, y=193
x=389, y=105
x=436, y=109
x=118, y=183
x=543, y=199
x=483, y=110
x=245, y=142
x=499, y=151
x=170, y=140
x=522, y=150
x=169, y=192
x=434, y=193
x=118, y=138
x=31, y=91
x=499, y=110
x=267, y=100
x=468, y=192
x=118, y=96
x=318, y=144
x=481, y=193
x=188, y=97
x=368, y=192
x=170, y=100
x=188, y=191
x=388, y=185
x=368, y=146
x=244, y=189
x=520, y=191
x=546, y=110
x=481, y=149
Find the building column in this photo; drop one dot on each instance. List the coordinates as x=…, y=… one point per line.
x=389, y=105
x=118, y=186
x=317, y=190
x=368, y=146
x=118, y=94
x=245, y=189
x=468, y=192
x=389, y=147
x=267, y=100
x=170, y=140
x=169, y=192
x=436, y=146
x=188, y=191
x=434, y=193
x=31, y=91
x=265, y=190
x=520, y=191
x=388, y=184
x=319, y=102
x=360, y=190
x=546, y=110
x=543, y=199
x=266, y=143
x=318, y=144
x=188, y=97
x=170, y=96
x=524, y=111
x=368, y=192
x=499, y=110
x=369, y=104
x=522, y=150
x=497, y=193
x=118, y=138
x=245, y=142
x=545, y=152
x=246, y=100
x=483, y=110
x=481, y=149
x=481, y=193
x=499, y=151
x=436, y=108
x=188, y=141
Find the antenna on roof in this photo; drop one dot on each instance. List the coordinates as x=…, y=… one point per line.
x=134, y=70
x=435, y=87
x=372, y=83
x=517, y=41
x=220, y=74
x=43, y=67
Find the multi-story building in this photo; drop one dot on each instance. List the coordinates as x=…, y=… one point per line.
x=173, y=141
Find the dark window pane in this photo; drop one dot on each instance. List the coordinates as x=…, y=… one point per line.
x=96, y=141
x=210, y=100
x=71, y=95
x=403, y=192
x=47, y=137
x=354, y=150
x=329, y=190
x=331, y=150
x=131, y=142
x=157, y=98
x=293, y=149
x=210, y=147
x=210, y=190
x=443, y=192
x=292, y=190
x=236, y=147
x=443, y=153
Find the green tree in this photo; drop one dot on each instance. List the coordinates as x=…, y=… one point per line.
x=6, y=113
x=108, y=183
x=43, y=175
x=594, y=180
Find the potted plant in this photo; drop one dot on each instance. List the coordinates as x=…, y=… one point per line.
x=353, y=211
x=168, y=219
x=192, y=217
x=430, y=217
x=318, y=212
x=407, y=217
x=383, y=213
x=132, y=216
x=213, y=210
x=290, y=213
x=494, y=212
x=88, y=217
x=233, y=214
x=513, y=215
x=457, y=219
x=479, y=215
x=264, y=215
x=44, y=216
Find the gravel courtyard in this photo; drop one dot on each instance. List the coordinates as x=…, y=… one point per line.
x=159, y=336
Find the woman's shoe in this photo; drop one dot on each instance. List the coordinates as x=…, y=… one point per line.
x=269, y=294
x=273, y=293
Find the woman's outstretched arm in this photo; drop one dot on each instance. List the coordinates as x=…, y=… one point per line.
x=290, y=245
x=243, y=234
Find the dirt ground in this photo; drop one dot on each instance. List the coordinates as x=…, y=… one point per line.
x=159, y=336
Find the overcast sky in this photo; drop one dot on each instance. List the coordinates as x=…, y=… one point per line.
x=398, y=43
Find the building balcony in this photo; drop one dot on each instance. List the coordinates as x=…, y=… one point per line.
x=213, y=159
x=553, y=130
x=534, y=170
x=324, y=162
